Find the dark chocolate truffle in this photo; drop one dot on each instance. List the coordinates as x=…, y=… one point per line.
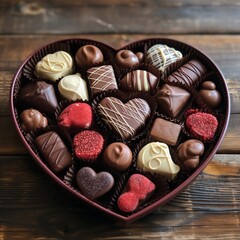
x=88, y=56
x=209, y=94
x=32, y=120
x=189, y=153
x=165, y=131
x=117, y=156
x=124, y=119
x=54, y=151
x=139, y=80
x=101, y=79
x=126, y=59
x=190, y=74
x=92, y=184
x=39, y=95
x=171, y=99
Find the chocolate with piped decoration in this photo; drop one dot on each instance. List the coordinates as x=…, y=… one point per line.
x=137, y=190
x=189, y=152
x=118, y=156
x=165, y=131
x=39, y=95
x=54, y=151
x=125, y=119
x=88, y=56
x=88, y=145
x=139, y=80
x=126, y=59
x=209, y=94
x=32, y=119
x=171, y=99
x=156, y=159
x=73, y=87
x=54, y=66
x=101, y=79
x=190, y=74
x=94, y=185
x=161, y=56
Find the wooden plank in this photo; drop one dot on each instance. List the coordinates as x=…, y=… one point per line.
x=50, y=17
x=206, y=209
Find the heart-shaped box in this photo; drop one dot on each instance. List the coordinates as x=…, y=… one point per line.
x=165, y=188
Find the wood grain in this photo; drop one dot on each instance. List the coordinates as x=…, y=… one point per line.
x=34, y=207
x=115, y=16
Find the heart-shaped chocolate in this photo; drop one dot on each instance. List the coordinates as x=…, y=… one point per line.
x=125, y=119
x=92, y=184
x=126, y=116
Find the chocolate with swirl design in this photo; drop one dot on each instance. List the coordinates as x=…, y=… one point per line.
x=190, y=74
x=101, y=79
x=124, y=119
x=54, y=66
x=54, y=151
x=139, y=80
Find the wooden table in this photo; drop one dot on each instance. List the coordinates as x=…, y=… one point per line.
x=32, y=206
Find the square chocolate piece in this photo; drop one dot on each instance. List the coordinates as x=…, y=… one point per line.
x=101, y=78
x=171, y=99
x=165, y=131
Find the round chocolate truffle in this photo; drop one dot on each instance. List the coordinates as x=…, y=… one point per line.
x=189, y=153
x=32, y=120
x=140, y=56
x=209, y=94
x=88, y=56
x=126, y=59
x=117, y=156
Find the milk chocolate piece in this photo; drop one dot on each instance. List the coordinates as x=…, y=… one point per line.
x=39, y=95
x=165, y=131
x=101, y=79
x=155, y=158
x=210, y=95
x=73, y=87
x=190, y=74
x=54, y=66
x=118, y=156
x=189, y=153
x=161, y=56
x=139, y=80
x=124, y=119
x=171, y=99
x=54, y=151
x=88, y=56
x=140, y=56
x=93, y=185
x=32, y=120
x=126, y=59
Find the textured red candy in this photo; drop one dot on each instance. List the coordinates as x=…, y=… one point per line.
x=76, y=116
x=201, y=125
x=88, y=145
x=138, y=188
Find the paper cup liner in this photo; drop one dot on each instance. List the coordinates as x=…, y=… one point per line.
x=124, y=98
x=29, y=67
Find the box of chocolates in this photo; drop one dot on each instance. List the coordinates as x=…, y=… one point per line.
x=124, y=130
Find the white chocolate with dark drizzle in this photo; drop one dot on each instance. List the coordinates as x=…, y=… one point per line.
x=161, y=56
x=124, y=119
x=54, y=66
x=155, y=158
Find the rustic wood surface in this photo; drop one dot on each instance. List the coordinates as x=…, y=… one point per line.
x=32, y=206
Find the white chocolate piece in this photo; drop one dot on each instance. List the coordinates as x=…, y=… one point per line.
x=73, y=87
x=54, y=66
x=161, y=56
x=155, y=158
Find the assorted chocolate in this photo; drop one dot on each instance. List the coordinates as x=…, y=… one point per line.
x=109, y=121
